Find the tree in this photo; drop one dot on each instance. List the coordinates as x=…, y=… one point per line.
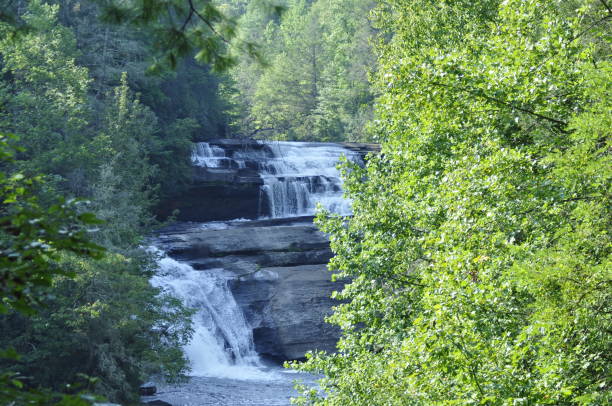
x=179, y=28
x=32, y=238
x=44, y=97
x=316, y=87
x=479, y=249
x=122, y=194
x=68, y=314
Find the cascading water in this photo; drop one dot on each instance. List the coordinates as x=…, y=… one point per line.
x=293, y=177
x=296, y=175
x=212, y=157
x=222, y=344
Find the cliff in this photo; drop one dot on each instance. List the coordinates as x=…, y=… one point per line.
x=281, y=281
x=279, y=276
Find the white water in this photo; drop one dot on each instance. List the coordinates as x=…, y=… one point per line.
x=297, y=175
x=213, y=157
x=222, y=344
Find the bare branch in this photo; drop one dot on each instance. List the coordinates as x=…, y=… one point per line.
x=205, y=21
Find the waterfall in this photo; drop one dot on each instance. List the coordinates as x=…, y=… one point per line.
x=299, y=175
x=222, y=344
x=296, y=175
x=213, y=157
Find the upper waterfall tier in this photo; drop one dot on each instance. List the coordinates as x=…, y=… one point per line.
x=294, y=176
x=251, y=179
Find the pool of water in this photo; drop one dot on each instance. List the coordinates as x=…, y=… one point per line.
x=268, y=386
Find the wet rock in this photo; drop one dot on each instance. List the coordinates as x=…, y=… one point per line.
x=287, y=313
x=156, y=403
x=147, y=389
x=247, y=240
x=215, y=200
x=230, y=190
x=281, y=279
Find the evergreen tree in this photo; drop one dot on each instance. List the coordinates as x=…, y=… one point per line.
x=96, y=317
x=122, y=193
x=316, y=85
x=44, y=97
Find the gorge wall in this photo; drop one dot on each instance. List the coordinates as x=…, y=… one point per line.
x=273, y=259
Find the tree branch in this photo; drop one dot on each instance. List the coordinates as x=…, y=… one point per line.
x=205, y=21
x=479, y=93
x=254, y=132
x=187, y=19
x=574, y=38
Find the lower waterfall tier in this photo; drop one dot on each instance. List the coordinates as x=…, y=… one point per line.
x=276, y=272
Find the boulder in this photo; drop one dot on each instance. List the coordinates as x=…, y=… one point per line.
x=147, y=389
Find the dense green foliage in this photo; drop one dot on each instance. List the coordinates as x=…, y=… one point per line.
x=32, y=238
x=91, y=124
x=315, y=87
x=479, y=250
x=69, y=311
x=105, y=321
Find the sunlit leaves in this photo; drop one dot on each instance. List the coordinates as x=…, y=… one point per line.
x=480, y=244
x=31, y=236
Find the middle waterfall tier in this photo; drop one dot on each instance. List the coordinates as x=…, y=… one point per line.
x=294, y=176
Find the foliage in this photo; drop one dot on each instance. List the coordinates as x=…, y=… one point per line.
x=479, y=249
x=43, y=96
x=69, y=311
x=107, y=322
x=178, y=28
x=31, y=236
x=316, y=85
x=121, y=194
x=182, y=27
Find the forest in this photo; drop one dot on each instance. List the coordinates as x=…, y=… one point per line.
x=479, y=248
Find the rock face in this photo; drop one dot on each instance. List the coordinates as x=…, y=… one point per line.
x=281, y=280
x=147, y=389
